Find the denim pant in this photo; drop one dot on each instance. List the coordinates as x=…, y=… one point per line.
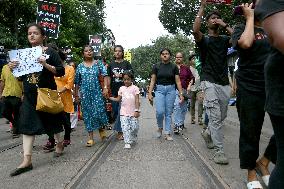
x=116, y=114
x=216, y=99
x=164, y=101
x=251, y=114
x=180, y=110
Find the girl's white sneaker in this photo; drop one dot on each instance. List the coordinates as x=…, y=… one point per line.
x=127, y=146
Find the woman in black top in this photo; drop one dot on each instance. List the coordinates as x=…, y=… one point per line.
x=253, y=49
x=33, y=122
x=115, y=70
x=271, y=12
x=165, y=76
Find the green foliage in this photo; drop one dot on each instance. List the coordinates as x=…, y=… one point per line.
x=79, y=19
x=178, y=15
x=144, y=57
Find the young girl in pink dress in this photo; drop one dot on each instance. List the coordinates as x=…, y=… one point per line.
x=129, y=112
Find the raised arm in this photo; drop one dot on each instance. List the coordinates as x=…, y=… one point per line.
x=247, y=38
x=197, y=22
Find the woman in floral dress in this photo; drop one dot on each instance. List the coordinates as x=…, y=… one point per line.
x=92, y=101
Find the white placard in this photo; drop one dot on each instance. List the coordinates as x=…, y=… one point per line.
x=28, y=60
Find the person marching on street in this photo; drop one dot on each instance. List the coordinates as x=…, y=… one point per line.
x=250, y=39
x=165, y=75
x=129, y=110
x=196, y=93
x=33, y=122
x=115, y=70
x=214, y=77
x=91, y=94
x=186, y=79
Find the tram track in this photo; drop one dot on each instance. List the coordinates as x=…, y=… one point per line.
x=10, y=146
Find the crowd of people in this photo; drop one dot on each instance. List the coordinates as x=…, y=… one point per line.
x=258, y=88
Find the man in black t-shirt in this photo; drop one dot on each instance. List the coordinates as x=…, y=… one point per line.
x=271, y=12
x=214, y=77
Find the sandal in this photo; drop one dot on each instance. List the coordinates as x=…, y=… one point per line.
x=265, y=178
x=103, y=134
x=254, y=185
x=90, y=143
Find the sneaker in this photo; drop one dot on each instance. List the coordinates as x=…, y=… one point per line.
x=220, y=158
x=176, y=130
x=181, y=127
x=49, y=146
x=127, y=146
x=169, y=138
x=208, y=140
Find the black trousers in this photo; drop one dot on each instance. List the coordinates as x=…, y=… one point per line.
x=250, y=107
x=67, y=127
x=276, y=180
x=11, y=111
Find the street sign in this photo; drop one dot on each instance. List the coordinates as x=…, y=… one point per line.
x=96, y=43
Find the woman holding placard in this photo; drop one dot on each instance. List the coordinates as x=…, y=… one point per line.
x=33, y=122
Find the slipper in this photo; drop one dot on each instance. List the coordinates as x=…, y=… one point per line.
x=254, y=184
x=90, y=143
x=265, y=178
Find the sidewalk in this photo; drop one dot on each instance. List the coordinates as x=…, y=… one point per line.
x=48, y=172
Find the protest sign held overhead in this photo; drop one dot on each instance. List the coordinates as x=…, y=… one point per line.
x=48, y=16
x=96, y=43
x=227, y=2
x=28, y=60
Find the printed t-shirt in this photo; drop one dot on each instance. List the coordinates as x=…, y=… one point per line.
x=117, y=68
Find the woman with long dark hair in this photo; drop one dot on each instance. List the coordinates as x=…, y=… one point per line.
x=33, y=122
x=92, y=102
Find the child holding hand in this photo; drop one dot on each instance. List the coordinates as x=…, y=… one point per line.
x=129, y=111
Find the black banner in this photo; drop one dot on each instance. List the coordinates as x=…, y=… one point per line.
x=48, y=16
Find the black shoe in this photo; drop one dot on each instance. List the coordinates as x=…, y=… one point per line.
x=176, y=130
x=19, y=171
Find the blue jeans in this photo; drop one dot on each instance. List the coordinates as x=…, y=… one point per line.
x=180, y=110
x=116, y=114
x=164, y=102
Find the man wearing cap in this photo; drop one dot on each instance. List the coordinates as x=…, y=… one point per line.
x=214, y=77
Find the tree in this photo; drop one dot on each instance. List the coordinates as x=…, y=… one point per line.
x=79, y=19
x=144, y=57
x=177, y=16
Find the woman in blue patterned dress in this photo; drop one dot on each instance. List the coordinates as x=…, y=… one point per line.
x=92, y=101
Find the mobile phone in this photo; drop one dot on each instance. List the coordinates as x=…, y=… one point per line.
x=239, y=11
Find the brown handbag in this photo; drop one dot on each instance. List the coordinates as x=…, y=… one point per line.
x=49, y=101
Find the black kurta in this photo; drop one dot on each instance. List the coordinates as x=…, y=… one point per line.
x=33, y=122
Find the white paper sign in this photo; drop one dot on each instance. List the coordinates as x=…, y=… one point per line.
x=28, y=60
